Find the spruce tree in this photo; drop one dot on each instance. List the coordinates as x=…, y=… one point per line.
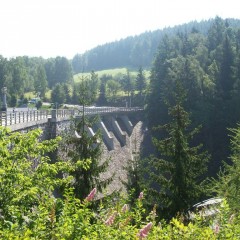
x=227, y=185
x=133, y=182
x=176, y=174
x=102, y=95
x=84, y=155
x=83, y=150
x=140, y=81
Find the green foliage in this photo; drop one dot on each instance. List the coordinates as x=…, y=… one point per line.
x=140, y=50
x=128, y=82
x=134, y=175
x=207, y=65
x=175, y=175
x=102, y=100
x=112, y=90
x=26, y=175
x=228, y=183
x=116, y=74
x=115, y=87
x=29, y=210
x=107, y=72
x=58, y=70
x=24, y=74
x=140, y=81
x=58, y=94
x=40, y=83
x=86, y=89
x=61, y=93
x=38, y=104
x=19, y=75
x=83, y=151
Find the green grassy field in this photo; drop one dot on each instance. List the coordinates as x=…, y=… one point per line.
x=48, y=94
x=30, y=95
x=113, y=72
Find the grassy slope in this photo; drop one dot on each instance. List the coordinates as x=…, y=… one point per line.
x=112, y=72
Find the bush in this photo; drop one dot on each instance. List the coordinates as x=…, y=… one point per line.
x=39, y=104
x=29, y=210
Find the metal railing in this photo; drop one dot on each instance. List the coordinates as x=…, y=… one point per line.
x=19, y=117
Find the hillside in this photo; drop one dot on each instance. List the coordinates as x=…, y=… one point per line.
x=134, y=51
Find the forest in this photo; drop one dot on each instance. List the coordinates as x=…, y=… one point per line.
x=208, y=68
x=40, y=76
x=191, y=101
x=24, y=74
x=135, y=51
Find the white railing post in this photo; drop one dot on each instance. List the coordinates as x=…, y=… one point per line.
x=10, y=119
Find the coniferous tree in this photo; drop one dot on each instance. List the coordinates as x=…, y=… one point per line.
x=157, y=111
x=140, y=81
x=93, y=85
x=133, y=181
x=102, y=99
x=128, y=87
x=176, y=174
x=83, y=153
x=228, y=183
x=83, y=149
x=67, y=92
x=75, y=93
x=58, y=94
x=102, y=95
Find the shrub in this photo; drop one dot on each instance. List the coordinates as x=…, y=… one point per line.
x=29, y=210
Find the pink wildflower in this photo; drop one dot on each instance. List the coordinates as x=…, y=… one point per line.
x=91, y=195
x=125, y=208
x=216, y=229
x=140, y=195
x=111, y=219
x=144, y=231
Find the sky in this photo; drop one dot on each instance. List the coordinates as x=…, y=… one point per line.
x=51, y=28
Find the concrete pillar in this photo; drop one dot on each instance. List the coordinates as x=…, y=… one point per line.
x=108, y=140
x=127, y=123
x=52, y=125
x=54, y=114
x=117, y=131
